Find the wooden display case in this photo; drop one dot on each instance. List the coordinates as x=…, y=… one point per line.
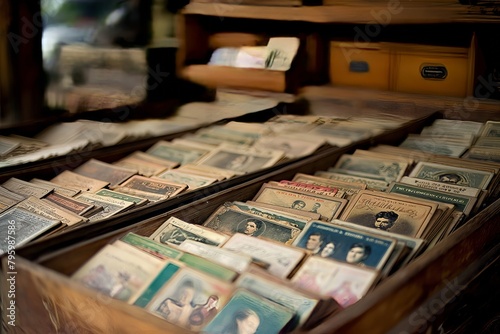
x=49, y=300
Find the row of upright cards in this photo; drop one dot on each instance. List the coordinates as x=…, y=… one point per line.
x=97, y=190
x=301, y=244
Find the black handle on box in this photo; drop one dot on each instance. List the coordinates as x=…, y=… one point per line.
x=438, y=72
x=359, y=66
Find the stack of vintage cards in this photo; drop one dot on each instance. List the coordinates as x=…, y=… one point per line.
x=19, y=226
x=237, y=217
x=119, y=272
x=175, y=231
x=190, y=299
x=487, y=144
x=323, y=201
x=444, y=137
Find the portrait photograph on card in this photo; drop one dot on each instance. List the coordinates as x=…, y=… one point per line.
x=231, y=221
x=345, y=244
x=390, y=212
x=328, y=207
x=247, y=312
x=190, y=299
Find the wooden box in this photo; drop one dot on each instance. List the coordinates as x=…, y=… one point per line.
x=366, y=65
x=201, y=36
x=405, y=68
x=434, y=70
x=46, y=299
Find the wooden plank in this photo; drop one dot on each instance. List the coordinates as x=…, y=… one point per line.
x=244, y=78
x=59, y=305
x=393, y=12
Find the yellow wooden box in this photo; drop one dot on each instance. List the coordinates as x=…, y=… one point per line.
x=433, y=70
x=366, y=65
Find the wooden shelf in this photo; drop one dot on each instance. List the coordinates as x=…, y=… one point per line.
x=377, y=13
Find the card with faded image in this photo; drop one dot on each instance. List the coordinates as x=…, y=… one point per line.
x=230, y=221
x=344, y=282
x=190, y=299
x=345, y=244
x=390, y=212
x=252, y=312
x=328, y=207
x=175, y=231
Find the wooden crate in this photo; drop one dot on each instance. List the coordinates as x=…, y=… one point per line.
x=47, y=299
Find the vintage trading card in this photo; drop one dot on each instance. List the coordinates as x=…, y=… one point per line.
x=235, y=261
x=175, y=231
x=50, y=211
x=26, y=189
x=4, y=192
x=111, y=206
x=415, y=245
x=148, y=158
x=292, y=146
x=7, y=145
x=327, y=207
x=191, y=143
x=192, y=181
x=241, y=160
x=454, y=175
x=65, y=191
x=345, y=244
x=395, y=213
x=381, y=169
x=155, y=186
x=372, y=184
x=280, y=292
x=204, y=170
x=118, y=273
x=69, y=203
x=143, y=167
x=257, y=314
x=459, y=125
x=176, y=153
x=138, y=201
x=143, y=297
x=350, y=188
x=440, y=186
x=306, y=187
x=487, y=142
x=19, y=226
x=281, y=259
x=225, y=135
x=294, y=212
x=277, y=216
x=435, y=146
x=229, y=221
x=256, y=128
x=461, y=202
x=6, y=202
x=105, y=172
x=378, y=155
x=344, y=282
x=151, y=197
x=152, y=247
x=190, y=299
x=209, y=267
x=491, y=129
x=74, y=180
